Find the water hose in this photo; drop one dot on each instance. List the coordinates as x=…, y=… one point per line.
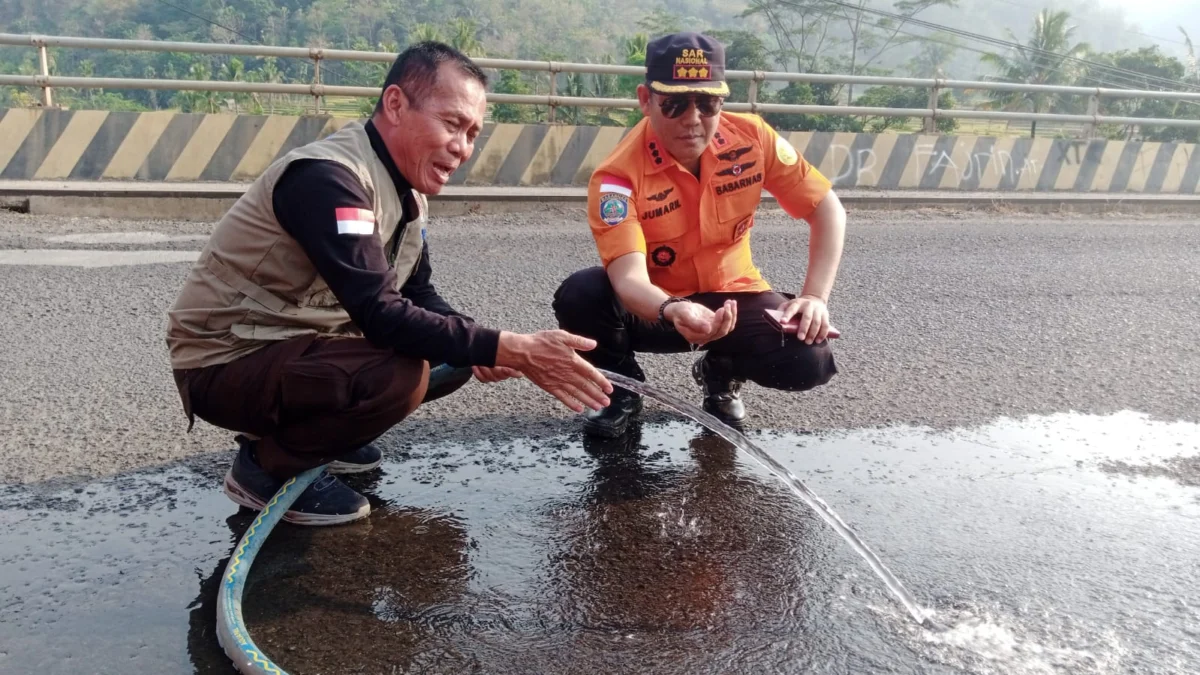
x=232, y=634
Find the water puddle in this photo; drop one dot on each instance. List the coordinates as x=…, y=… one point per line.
x=666, y=552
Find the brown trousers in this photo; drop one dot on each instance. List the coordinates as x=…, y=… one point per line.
x=310, y=400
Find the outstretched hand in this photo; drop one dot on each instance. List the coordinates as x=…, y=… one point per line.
x=549, y=360
x=700, y=325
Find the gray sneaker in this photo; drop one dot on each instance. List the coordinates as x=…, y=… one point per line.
x=328, y=501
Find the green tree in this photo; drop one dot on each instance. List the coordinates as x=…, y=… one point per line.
x=1193, y=67
x=464, y=36
x=662, y=22
x=871, y=36
x=1046, y=58
x=634, y=48
x=801, y=31
x=234, y=71
x=805, y=31
x=934, y=56
x=802, y=93
x=425, y=32
x=511, y=82
x=199, y=101
x=1154, y=70
x=904, y=97
x=270, y=73
x=743, y=51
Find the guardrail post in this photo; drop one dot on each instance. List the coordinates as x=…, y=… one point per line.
x=553, y=67
x=752, y=96
x=1093, y=109
x=316, y=57
x=44, y=58
x=929, y=124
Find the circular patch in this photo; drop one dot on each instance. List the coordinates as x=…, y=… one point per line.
x=785, y=152
x=741, y=229
x=663, y=256
x=737, y=169
x=613, y=208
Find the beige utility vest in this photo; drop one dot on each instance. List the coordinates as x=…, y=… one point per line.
x=253, y=283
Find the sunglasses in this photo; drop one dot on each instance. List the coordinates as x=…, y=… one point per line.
x=674, y=106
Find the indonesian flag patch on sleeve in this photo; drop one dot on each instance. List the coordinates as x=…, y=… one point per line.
x=354, y=221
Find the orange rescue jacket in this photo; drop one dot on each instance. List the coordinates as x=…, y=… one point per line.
x=694, y=232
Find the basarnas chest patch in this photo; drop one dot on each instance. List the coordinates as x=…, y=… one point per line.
x=614, y=199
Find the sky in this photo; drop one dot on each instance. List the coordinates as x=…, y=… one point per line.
x=1161, y=18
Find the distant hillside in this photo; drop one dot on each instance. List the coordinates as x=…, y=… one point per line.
x=920, y=38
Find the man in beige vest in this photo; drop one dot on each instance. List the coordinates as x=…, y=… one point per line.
x=310, y=325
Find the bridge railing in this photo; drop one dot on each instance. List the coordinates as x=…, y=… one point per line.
x=930, y=114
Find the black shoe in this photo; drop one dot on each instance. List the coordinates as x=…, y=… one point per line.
x=611, y=421
x=445, y=380
x=714, y=374
x=361, y=460
x=328, y=501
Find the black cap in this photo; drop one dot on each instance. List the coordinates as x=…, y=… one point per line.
x=686, y=63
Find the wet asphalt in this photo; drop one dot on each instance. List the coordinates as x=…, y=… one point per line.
x=1013, y=430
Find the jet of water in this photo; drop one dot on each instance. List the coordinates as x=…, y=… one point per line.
x=816, y=503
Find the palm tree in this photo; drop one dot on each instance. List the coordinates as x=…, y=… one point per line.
x=234, y=71
x=464, y=36
x=425, y=32
x=199, y=101
x=269, y=72
x=1193, y=68
x=1045, y=59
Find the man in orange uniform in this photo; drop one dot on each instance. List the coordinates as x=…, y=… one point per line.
x=672, y=212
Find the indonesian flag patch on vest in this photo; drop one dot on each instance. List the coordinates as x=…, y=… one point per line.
x=354, y=221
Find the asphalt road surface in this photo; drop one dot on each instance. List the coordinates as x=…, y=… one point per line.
x=1013, y=429
x=948, y=320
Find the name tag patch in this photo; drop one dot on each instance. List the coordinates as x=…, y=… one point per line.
x=355, y=221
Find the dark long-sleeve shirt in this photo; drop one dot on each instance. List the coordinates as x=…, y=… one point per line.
x=416, y=321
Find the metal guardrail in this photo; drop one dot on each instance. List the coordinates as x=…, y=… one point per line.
x=316, y=89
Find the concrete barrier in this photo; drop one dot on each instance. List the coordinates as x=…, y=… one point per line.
x=168, y=146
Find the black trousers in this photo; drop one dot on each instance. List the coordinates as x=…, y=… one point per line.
x=587, y=305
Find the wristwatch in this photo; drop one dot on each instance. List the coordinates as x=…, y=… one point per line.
x=662, y=317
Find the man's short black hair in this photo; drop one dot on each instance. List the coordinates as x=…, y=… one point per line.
x=416, y=70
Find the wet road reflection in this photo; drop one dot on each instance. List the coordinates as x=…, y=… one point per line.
x=1056, y=544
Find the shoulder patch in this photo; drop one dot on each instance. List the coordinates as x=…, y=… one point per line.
x=614, y=207
x=614, y=199
x=785, y=152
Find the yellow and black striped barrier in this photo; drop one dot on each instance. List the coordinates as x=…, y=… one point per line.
x=186, y=147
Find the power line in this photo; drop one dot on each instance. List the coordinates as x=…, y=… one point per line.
x=1122, y=84
x=1111, y=70
x=1131, y=32
x=925, y=38
x=336, y=70
x=205, y=19
x=1129, y=75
